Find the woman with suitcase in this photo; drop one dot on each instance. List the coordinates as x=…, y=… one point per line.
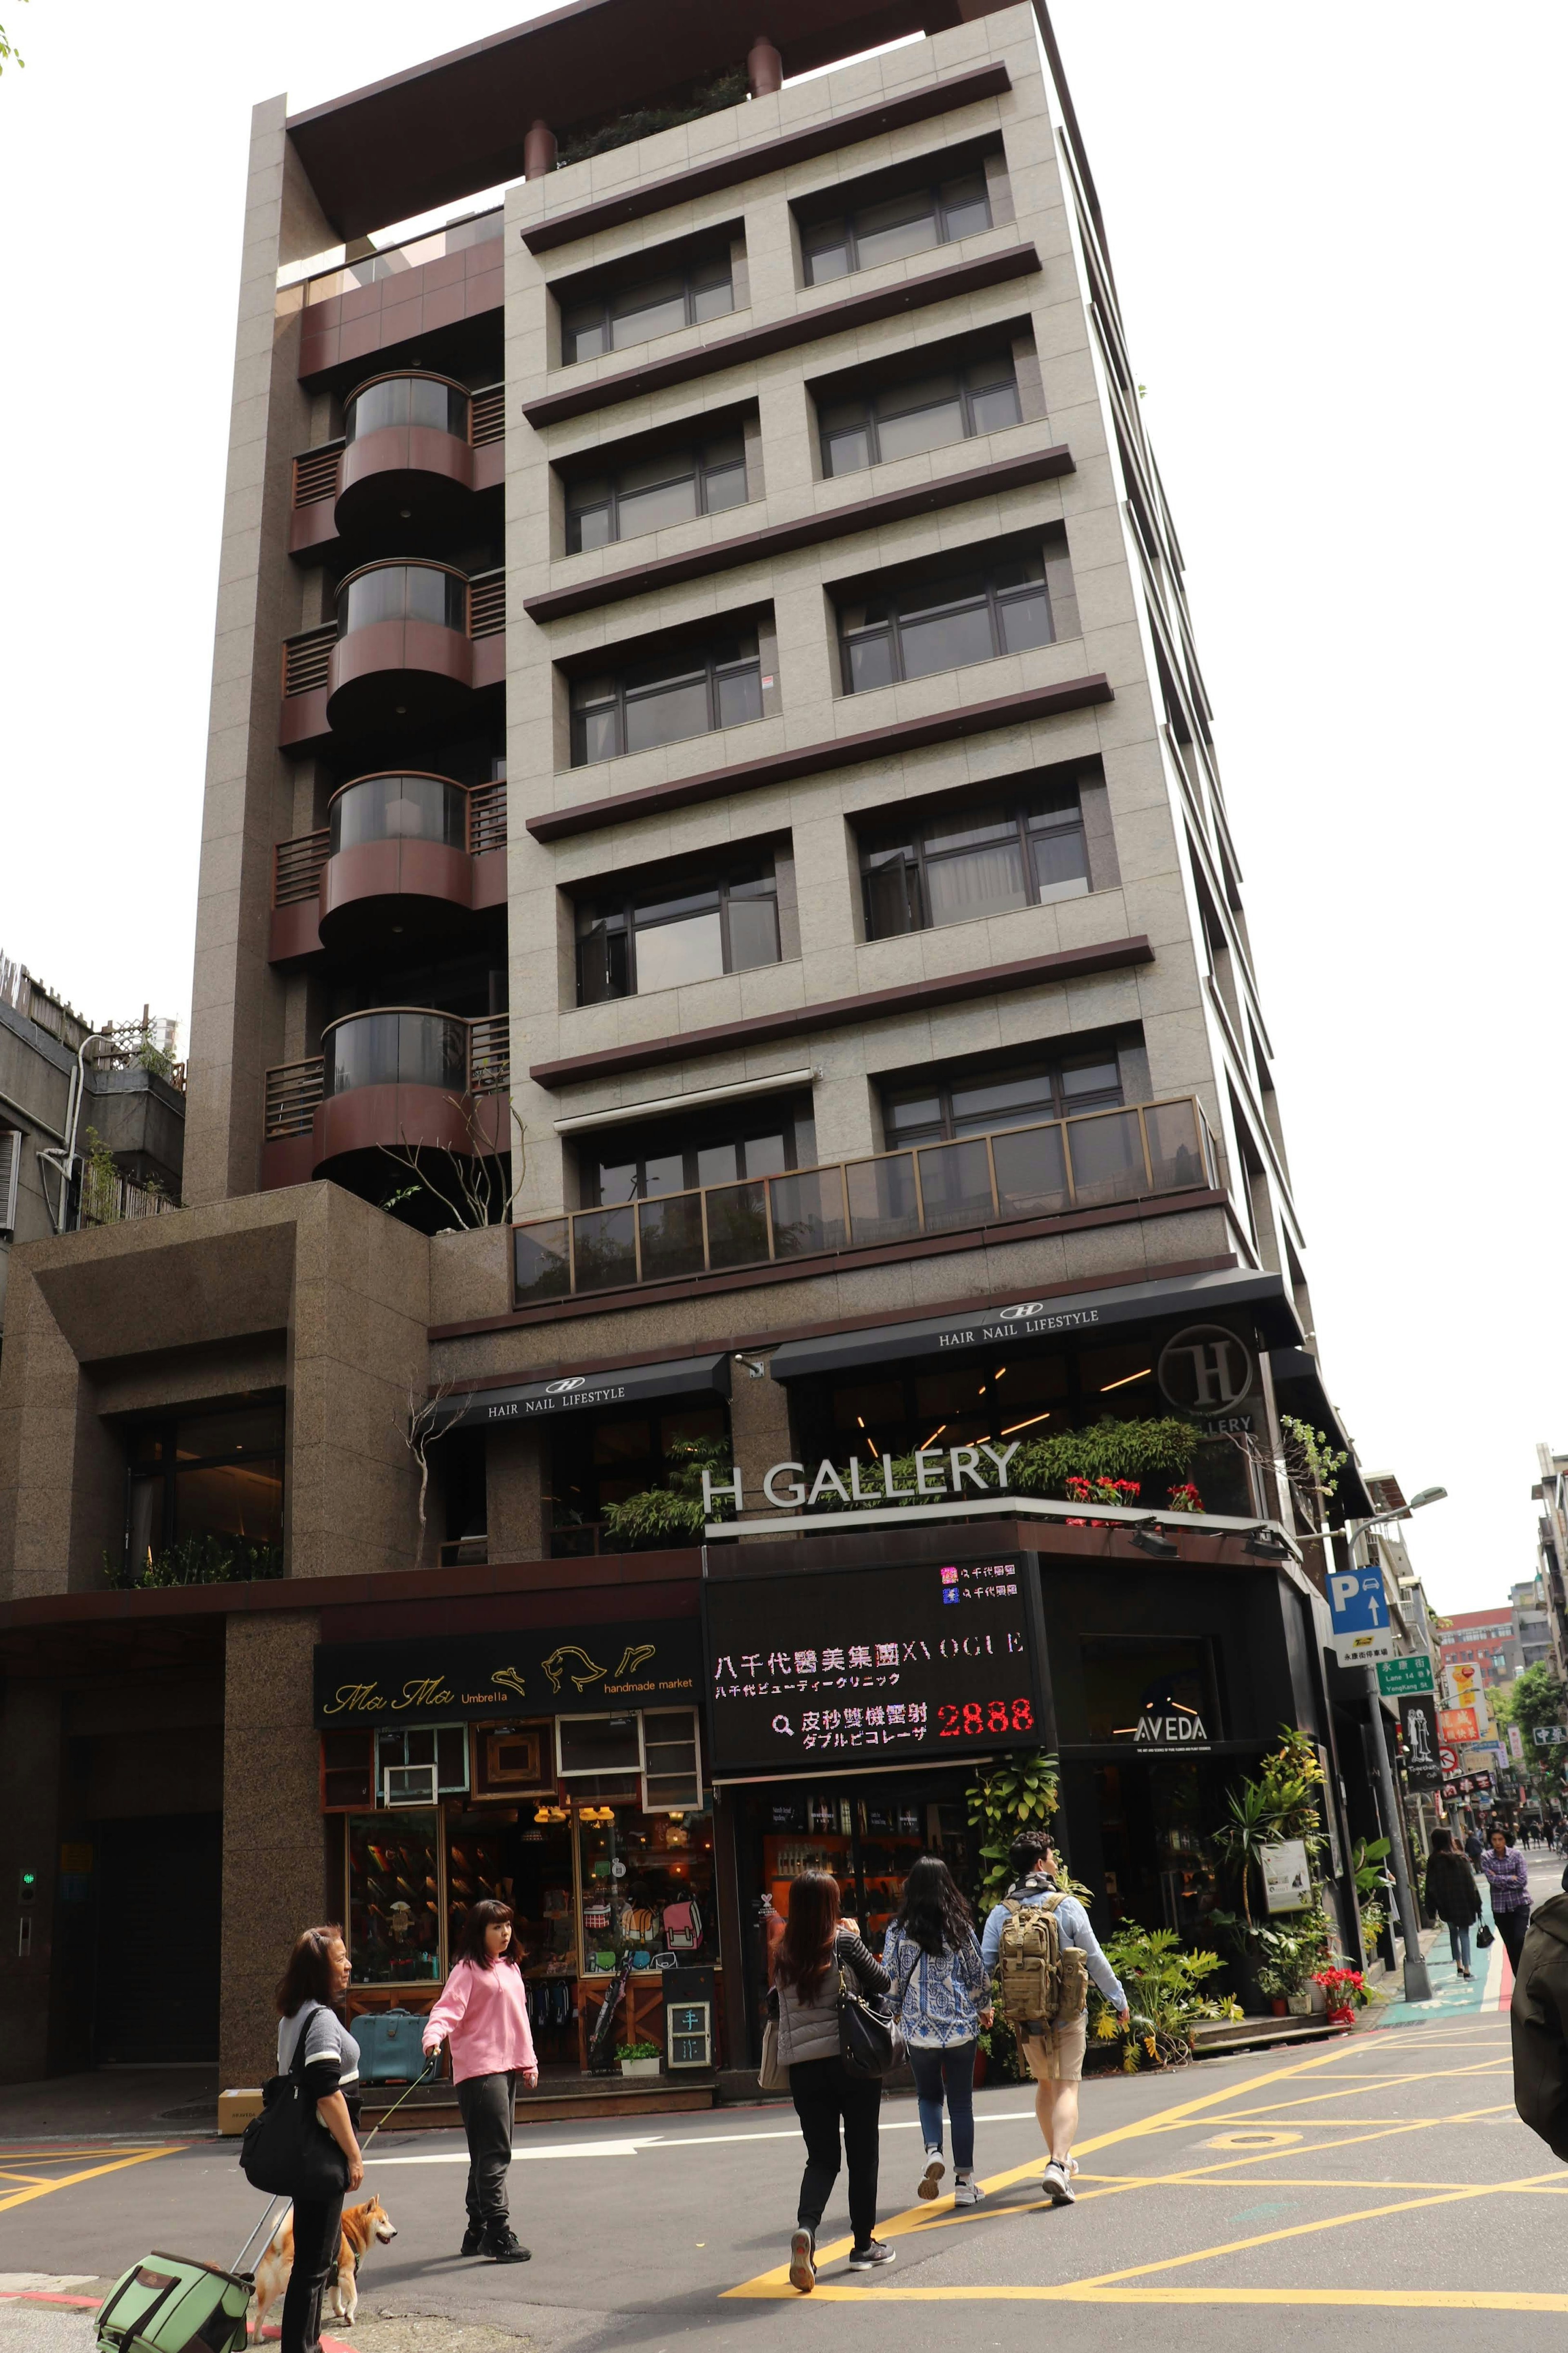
x=312, y=1987
x=483, y=2014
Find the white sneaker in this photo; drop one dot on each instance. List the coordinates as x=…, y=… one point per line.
x=932, y=2174
x=1057, y=2185
x=966, y=2190
x=802, y=2262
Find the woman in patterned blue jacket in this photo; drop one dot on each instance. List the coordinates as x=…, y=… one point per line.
x=943, y=1988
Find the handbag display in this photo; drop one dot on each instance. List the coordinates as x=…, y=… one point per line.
x=286, y=2151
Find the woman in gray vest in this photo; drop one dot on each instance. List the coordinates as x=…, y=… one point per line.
x=815, y=1945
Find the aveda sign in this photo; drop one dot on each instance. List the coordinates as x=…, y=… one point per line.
x=940, y=1474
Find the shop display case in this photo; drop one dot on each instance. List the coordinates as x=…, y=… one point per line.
x=394, y=1869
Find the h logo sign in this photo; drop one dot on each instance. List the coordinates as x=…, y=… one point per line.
x=1205, y=1369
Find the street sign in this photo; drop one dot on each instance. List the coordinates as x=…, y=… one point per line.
x=1516, y=1744
x=1449, y=1759
x=1410, y=1674
x=1548, y=1736
x=1457, y=1725
x=1418, y=1723
x=1467, y=1784
x=1360, y=1613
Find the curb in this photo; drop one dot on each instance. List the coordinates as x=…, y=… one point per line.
x=91, y=2303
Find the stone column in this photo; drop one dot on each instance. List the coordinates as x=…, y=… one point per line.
x=274, y=1832
x=765, y=68
x=514, y=1493
x=759, y=1428
x=538, y=151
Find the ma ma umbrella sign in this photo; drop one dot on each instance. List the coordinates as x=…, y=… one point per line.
x=1363, y=1634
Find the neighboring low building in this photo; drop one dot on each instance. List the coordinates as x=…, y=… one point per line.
x=93, y=1122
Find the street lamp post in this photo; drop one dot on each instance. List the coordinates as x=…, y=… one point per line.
x=1417, y=1983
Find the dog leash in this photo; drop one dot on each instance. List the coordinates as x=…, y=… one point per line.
x=425, y=2074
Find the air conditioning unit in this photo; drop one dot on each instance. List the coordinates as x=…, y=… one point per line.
x=409, y=1784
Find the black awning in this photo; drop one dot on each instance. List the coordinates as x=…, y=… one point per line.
x=1036, y=1319
x=582, y=1392
x=1299, y=1389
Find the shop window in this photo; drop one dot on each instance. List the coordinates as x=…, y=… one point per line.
x=683, y=931
x=394, y=1876
x=615, y=1458
x=210, y=1485
x=647, y=1889
x=1127, y=1676
x=672, y=1767
x=867, y=1839
x=597, y=1744
x=426, y=1762
x=973, y=862
x=1158, y=1855
x=900, y=420
x=889, y=227
x=511, y=1760
x=348, y=1772
x=652, y=493
x=689, y=690
x=637, y=310
x=951, y=617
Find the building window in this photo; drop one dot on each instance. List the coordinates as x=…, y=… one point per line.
x=692, y=689
x=910, y=628
x=900, y=420
x=694, y=930
x=911, y=223
x=207, y=1491
x=403, y=592
x=656, y=492
x=939, y=1109
x=973, y=862
x=647, y=307
x=609, y=1458
x=767, y=1138
x=418, y=400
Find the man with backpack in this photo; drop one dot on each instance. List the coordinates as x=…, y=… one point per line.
x=1043, y=1952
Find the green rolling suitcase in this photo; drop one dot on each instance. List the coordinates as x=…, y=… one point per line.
x=172, y=2303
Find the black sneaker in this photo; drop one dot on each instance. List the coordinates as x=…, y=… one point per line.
x=870, y=2257
x=473, y=2240
x=501, y=2246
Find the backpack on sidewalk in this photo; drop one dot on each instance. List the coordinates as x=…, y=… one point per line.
x=1042, y=1980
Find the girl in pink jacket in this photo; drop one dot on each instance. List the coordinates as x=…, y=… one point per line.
x=483, y=2013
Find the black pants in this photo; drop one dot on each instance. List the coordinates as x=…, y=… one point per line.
x=824, y=2094
x=1511, y=1928
x=487, y=2106
x=317, y=2232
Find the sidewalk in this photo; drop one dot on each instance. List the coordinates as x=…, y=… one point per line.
x=1490, y=1991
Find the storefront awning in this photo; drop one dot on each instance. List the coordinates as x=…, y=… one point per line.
x=581, y=1392
x=1265, y=1296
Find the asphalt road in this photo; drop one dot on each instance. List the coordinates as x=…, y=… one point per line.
x=1378, y=2182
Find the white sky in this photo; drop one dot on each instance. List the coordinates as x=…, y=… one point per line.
x=1338, y=239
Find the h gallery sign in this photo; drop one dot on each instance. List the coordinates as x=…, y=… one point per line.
x=942, y=1474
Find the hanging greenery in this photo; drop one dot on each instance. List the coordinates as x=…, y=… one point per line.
x=1150, y=1459
x=641, y=121
x=674, y=1513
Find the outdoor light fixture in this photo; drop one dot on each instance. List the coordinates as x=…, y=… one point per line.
x=1268, y=1543
x=1146, y=1535
x=1428, y=1496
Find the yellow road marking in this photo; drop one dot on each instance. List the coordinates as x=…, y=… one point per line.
x=1413, y=2299
x=1313, y=2181
x=69, y=2180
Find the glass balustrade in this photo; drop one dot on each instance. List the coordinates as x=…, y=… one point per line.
x=397, y=808
x=403, y=592
x=1096, y=1159
x=399, y=1047
x=426, y=400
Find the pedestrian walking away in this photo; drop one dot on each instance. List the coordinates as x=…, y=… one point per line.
x=1053, y=2044
x=1508, y=1875
x=932, y=1956
x=1474, y=1848
x=816, y=1946
x=308, y=1997
x=483, y=2015
x=1451, y=1893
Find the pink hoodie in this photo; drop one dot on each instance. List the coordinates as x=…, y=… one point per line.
x=485, y=2013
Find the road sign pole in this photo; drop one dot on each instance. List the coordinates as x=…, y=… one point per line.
x=1417, y=1984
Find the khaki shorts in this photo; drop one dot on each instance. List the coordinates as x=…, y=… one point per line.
x=1057, y=2056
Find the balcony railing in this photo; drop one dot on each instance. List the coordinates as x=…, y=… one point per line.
x=387, y=809
x=487, y=604
x=486, y=416
x=293, y=1091
x=1088, y=1162
x=395, y=258
x=392, y=1045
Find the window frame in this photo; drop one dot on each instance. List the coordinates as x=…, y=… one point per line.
x=947, y=1131
x=686, y=270
x=700, y=472
x=721, y=881
x=167, y=1470
x=918, y=859
x=994, y=599
x=705, y=663
x=872, y=399
x=11, y=1142
x=813, y=239
x=796, y=1111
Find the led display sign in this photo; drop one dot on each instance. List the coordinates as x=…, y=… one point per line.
x=873, y=1666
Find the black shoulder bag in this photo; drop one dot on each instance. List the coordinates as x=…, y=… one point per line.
x=870, y=2039
x=286, y=2151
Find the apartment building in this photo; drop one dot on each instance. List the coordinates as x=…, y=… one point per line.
x=721, y=958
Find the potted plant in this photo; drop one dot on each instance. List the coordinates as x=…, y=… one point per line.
x=638, y=2058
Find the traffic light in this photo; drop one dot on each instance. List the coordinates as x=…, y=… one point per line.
x=27, y=1886
x=26, y=1889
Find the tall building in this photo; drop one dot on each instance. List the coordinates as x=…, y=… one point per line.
x=721, y=954
x=1551, y=1491
x=1533, y=1622
x=1488, y=1639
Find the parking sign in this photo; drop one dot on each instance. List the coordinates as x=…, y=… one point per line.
x=1361, y=1631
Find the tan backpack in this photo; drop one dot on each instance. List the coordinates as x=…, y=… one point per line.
x=1042, y=1980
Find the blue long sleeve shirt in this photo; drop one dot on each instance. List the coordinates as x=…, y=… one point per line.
x=1072, y=1924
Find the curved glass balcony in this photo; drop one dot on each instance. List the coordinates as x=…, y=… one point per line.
x=397, y=808
x=400, y=1046
x=433, y=402
x=403, y=592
